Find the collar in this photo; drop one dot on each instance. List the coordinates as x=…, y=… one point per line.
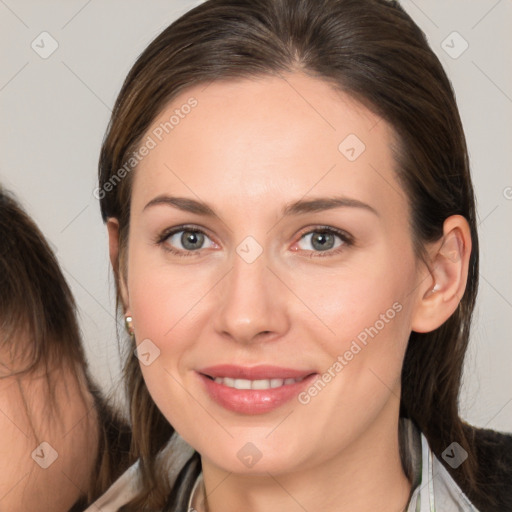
x=436, y=489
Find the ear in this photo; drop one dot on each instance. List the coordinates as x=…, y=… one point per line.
x=113, y=245
x=442, y=286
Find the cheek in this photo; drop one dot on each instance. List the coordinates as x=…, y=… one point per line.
x=165, y=302
x=162, y=297
x=370, y=301
x=368, y=315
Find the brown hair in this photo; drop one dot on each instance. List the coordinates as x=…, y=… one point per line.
x=373, y=51
x=39, y=333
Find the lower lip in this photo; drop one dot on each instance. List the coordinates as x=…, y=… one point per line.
x=253, y=401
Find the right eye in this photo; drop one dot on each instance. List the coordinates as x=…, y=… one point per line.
x=184, y=241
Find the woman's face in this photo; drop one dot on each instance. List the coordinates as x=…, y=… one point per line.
x=268, y=229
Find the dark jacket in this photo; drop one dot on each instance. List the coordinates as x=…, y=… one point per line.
x=494, y=475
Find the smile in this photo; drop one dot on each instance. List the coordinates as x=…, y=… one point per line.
x=255, y=384
x=253, y=390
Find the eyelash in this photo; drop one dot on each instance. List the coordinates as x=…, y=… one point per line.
x=347, y=240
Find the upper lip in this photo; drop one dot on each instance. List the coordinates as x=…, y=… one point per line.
x=254, y=372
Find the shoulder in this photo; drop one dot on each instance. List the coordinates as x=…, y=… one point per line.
x=493, y=451
x=177, y=460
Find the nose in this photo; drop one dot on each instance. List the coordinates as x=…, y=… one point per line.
x=251, y=303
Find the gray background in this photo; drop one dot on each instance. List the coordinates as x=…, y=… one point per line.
x=54, y=112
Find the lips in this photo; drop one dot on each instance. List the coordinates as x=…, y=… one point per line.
x=253, y=390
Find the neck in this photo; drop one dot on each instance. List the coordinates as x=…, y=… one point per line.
x=366, y=476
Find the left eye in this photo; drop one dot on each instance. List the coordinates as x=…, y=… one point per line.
x=320, y=240
x=188, y=240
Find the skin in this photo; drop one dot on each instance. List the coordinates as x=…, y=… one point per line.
x=70, y=429
x=248, y=149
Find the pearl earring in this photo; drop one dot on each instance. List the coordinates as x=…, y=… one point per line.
x=128, y=323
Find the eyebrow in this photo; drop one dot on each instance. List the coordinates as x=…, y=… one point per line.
x=325, y=203
x=182, y=203
x=296, y=208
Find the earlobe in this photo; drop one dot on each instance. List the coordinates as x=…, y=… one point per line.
x=113, y=244
x=441, y=290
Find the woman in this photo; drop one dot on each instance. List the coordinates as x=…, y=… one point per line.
x=292, y=229
x=61, y=446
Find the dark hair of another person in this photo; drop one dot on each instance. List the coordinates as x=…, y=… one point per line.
x=40, y=333
x=373, y=51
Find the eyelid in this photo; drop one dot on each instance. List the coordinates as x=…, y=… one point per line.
x=344, y=235
x=166, y=233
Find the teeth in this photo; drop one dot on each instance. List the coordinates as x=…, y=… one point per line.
x=260, y=384
x=275, y=383
x=255, y=384
x=242, y=384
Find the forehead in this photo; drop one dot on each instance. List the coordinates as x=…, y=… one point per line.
x=273, y=137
